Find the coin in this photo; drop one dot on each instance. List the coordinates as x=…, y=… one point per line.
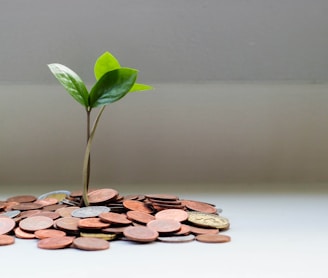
x=162, y=196
x=176, y=214
x=136, y=205
x=41, y=234
x=90, y=244
x=54, y=207
x=58, y=194
x=164, y=225
x=27, y=206
x=115, y=218
x=213, y=238
x=184, y=230
x=34, y=223
x=139, y=216
x=67, y=224
x=46, y=201
x=92, y=223
x=199, y=206
x=140, y=234
x=11, y=213
x=6, y=240
x=102, y=195
x=55, y=242
x=200, y=231
x=19, y=233
x=66, y=211
x=51, y=214
x=22, y=199
x=90, y=211
x=99, y=235
x=208, y=220
x=176, y=239
x=6, y=225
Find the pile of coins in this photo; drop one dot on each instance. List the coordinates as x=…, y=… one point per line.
x=57, y=220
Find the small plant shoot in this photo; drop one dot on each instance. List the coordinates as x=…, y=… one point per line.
x=113, y=82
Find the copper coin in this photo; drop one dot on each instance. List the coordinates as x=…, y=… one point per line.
x=115, y=218
x=54, y=207
x=176, y=214
x=2, y=205
x=22, y=199
x=55, y=242
x=136, y=205
x=201, y=231
x=19, y=233
x=66, y=211
x=28, y=213
x=51, y=214
x=113, y=230
x=139, y=216
x=34, y=223
x=184, y=230
x=162, y=196
x=41, y=234
x=213, y=238
x=164, y=225
x=102, y=195
x=6, y=225
x=27, y=206
x=199, y=206
x=92, y=223
x=47, y=201
x=90, y=244
x=140, y=234
x=67, y=224
x=9, y=205
x=6, y=240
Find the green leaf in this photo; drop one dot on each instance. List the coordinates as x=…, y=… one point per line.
x=112, y=86
x=71, y=82
x=140, y=87
x=105, y=63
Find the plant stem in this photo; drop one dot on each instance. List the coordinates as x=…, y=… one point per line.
x=86, y=164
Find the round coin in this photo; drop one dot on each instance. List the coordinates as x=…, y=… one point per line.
x=136, y=205
x=175, y=214
x=6, y=240
x=140, y=234
x=90, y=211
x=164, y=225
x=27, y=206
x=92, y=223
x=55, y=242
x=22, y=199
x=58, y=194
x=6, y=225
x=208, y=220
x=199, y=206
x=213, y=238
x=176, y=239
x=66, y=211
x=19, y=233
x=139, y=216
x=11, y=213
x=41, y=234
x=90, y=244
x=67, y=224
x=115, y=218
x=102, y=195
x=34, y=223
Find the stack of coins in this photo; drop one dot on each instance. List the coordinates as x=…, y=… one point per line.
x=57, y=220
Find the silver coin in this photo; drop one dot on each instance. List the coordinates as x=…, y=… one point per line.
x=58, y=194
x=90, y=211
x=11, y=213
x=176, y=239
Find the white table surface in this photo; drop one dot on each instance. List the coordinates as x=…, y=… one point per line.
x=273, y=235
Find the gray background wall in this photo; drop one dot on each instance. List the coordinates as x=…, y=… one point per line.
x=241, y=91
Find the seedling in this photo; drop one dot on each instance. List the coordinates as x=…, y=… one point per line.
x=113, y=82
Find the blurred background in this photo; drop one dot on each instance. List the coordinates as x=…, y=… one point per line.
x=240, y=98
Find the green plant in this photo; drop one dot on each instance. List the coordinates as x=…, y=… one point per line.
x=113, y=82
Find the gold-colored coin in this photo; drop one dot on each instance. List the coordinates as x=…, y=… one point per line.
x=208, y=220
x=100, y=235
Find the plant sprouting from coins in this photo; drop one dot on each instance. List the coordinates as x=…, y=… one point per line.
x=113, y=82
